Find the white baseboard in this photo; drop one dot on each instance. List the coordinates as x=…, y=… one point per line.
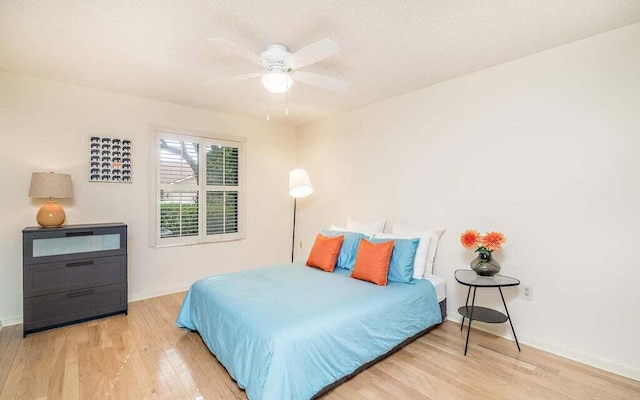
x=158, y=293
x=11, y=321
x=562, y=351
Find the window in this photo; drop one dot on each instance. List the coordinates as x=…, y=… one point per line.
x=198, y=189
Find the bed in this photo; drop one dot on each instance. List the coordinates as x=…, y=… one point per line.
x=293, y=332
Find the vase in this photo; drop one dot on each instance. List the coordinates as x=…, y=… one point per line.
x=485, y=265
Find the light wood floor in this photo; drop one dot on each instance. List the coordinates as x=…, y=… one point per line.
x=144, y=356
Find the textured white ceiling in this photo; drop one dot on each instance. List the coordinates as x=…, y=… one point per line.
x=158, y=49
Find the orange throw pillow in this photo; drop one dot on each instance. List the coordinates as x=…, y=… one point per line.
x=324, y=253
x=372, y=261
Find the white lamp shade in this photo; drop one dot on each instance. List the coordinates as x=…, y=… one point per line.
x=299, y=183
x=277, y=82
x=49, y=184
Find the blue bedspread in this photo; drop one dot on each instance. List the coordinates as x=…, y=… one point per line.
x=286, y=332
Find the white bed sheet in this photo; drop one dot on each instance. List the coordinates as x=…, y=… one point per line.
x=440, y=284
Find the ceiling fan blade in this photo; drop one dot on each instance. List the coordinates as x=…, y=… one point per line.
x=313, y=53
x=321, y=81
x=237, y=50
x=228, y=79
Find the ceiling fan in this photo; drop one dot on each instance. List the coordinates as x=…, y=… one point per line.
x=281, y=68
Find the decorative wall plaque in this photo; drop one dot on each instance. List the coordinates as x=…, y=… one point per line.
x=110, y=159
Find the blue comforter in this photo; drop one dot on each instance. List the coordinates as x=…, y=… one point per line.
x=286, y=332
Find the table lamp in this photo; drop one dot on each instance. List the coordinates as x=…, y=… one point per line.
x=299, y=186
x=50, y=185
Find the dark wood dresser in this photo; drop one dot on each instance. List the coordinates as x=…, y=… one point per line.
x=73, y=273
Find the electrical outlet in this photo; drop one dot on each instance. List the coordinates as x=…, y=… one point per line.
x=301, y=244
x=527, y=292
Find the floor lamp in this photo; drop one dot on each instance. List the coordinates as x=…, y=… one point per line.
x=299, y=186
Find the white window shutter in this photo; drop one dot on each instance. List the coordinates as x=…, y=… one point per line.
x=199, y=189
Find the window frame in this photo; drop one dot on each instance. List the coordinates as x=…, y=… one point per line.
x=203, y=139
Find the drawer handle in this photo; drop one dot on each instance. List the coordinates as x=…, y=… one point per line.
x=85, y=233
x=87, y=292
x=79, y=264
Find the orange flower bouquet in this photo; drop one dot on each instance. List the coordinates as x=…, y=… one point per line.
x=484, y=245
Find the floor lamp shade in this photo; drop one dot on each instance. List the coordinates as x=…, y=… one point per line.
x=299, y=183
x=299, y=186
x=50, y=185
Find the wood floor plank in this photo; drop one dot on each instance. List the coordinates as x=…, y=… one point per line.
x=70, y=384
x=12, y=384
x=145, y=356
x=6, y=333
x=9, y=345
x=136, y=337
x=141, y=376
x=28, y=380
x=55, y=386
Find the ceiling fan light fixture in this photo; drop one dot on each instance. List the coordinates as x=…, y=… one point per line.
x=277, y=81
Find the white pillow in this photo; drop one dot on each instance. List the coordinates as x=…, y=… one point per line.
x=338, y=229
x=368, y=228
x=434, y=235
x=420, y=262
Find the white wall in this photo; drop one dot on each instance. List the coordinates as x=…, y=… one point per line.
x=544, y=149
x=45, y=126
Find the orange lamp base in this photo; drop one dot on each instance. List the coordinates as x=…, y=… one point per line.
x=50, y=215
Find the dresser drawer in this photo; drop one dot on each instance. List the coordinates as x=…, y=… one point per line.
x=62, y=308
x=41, y=279
x=77, y=242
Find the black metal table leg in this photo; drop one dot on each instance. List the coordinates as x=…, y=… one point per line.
x=473, y=302
x=509, y=318
x=466, y=305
